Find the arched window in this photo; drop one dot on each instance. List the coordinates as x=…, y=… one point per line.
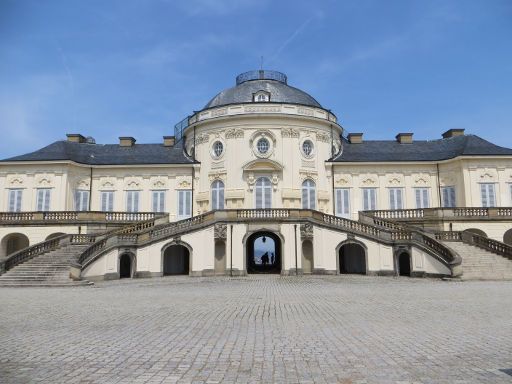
x=263, y=193
x=308, y=195
x=217, y=195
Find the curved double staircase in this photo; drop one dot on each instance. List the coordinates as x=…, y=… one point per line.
x=59, y=261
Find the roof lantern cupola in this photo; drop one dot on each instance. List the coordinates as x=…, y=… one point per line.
x=262, y=74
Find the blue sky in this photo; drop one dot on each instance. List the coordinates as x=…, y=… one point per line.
x=118, y=68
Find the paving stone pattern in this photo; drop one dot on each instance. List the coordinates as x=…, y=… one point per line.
x=259, y=329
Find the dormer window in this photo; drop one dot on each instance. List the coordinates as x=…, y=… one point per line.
x=261, y=97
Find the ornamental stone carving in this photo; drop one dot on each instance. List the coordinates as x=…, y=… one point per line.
x=306, y=231
x=262, y=109
x=219, y=112
x=289, y=133
x=202, y=138
x=220, y=175
x=320, y=136
x=305, y=111
x=235, y=133
x=220, y=231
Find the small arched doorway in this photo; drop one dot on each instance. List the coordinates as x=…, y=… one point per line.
x=54, y=235
x=263, y=253
x=13, y=242
x=220, y=257
x=404, y=264
x=125, y=266
x=507, y=237
x=476, y=231
x=307, y=257
x=176, y=260
x=352, y=259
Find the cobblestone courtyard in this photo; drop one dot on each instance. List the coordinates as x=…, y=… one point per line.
x=259, y=329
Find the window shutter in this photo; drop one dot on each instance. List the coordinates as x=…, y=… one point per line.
x=129, y=201
x=304, y=196
x=180, y=203
x=346, y=203
x=214, y=198
x=492, y=196
x=365, y=199
x=162, y=202
x=155, y=201
x=46, y=206
x=312, y=197
x=453, y=198
x=39, y=200
x=425, y=198
x=11, y=201
x=188, y=206
x=399, y=204
x=104, y=196
x=221, y=196
x=268, y=197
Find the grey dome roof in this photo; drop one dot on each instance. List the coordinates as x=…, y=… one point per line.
x=272, y=82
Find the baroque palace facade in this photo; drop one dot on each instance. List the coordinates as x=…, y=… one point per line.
x=263, y=179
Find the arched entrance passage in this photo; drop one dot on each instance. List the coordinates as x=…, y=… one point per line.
x=220, y=257
x=263, y=253
x=125, y=266
x=352, y=258
x=54, y=235
x=476, y=231
x=507, y=237
x=404, y=264
x=13, y=243
x=307, y=257
x=176, y=260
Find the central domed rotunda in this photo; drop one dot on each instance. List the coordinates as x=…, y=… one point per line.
x=262, y=85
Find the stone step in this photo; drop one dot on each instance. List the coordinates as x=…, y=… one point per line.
x=46, y=284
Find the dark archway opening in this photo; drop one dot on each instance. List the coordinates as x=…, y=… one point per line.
x=476, y=231
x=507, y=237
x=352, y=259
x=404, y=264
x=54, y=235
x=176, y=260
x=125, y=266
x=263, y=253
x=12, y=243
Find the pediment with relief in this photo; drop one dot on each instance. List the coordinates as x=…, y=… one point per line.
x=262, y=165
x=369, y=181
x=16, y=181
x=133, y=183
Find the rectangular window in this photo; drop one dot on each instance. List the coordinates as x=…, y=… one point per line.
x=132, y=201
x=15, y=200
x=396, y=198
x=158, y=201
x=43, y=200
x=184, y=203
x=81, y=200
x=488, y=195
x=369, y=199
x=422, y=199
x=448, y=194
x=343, y=202
x=107, y=201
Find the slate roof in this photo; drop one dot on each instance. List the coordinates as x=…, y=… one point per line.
x=279, y=93
x=419, y=150
x=107, y=154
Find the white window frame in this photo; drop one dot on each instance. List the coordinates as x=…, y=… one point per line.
x=263, y=186
x=107, y=201
x=369, y=199
x=43, y=196
x=217, y=194
x=184, y=203
x=132, y=201
x=308, y=194
x=82, y=200
x=158, y=200
x=422, y=197
x=448, y=196
x=396, y=198
x=342, y=196
x=488, y=195
x=14, y=200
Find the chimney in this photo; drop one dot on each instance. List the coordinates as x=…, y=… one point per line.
x=355, y=138
x=126, y=141
x=75, y=138
x=404, y=138
x=169, y=141
x=453, y=132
